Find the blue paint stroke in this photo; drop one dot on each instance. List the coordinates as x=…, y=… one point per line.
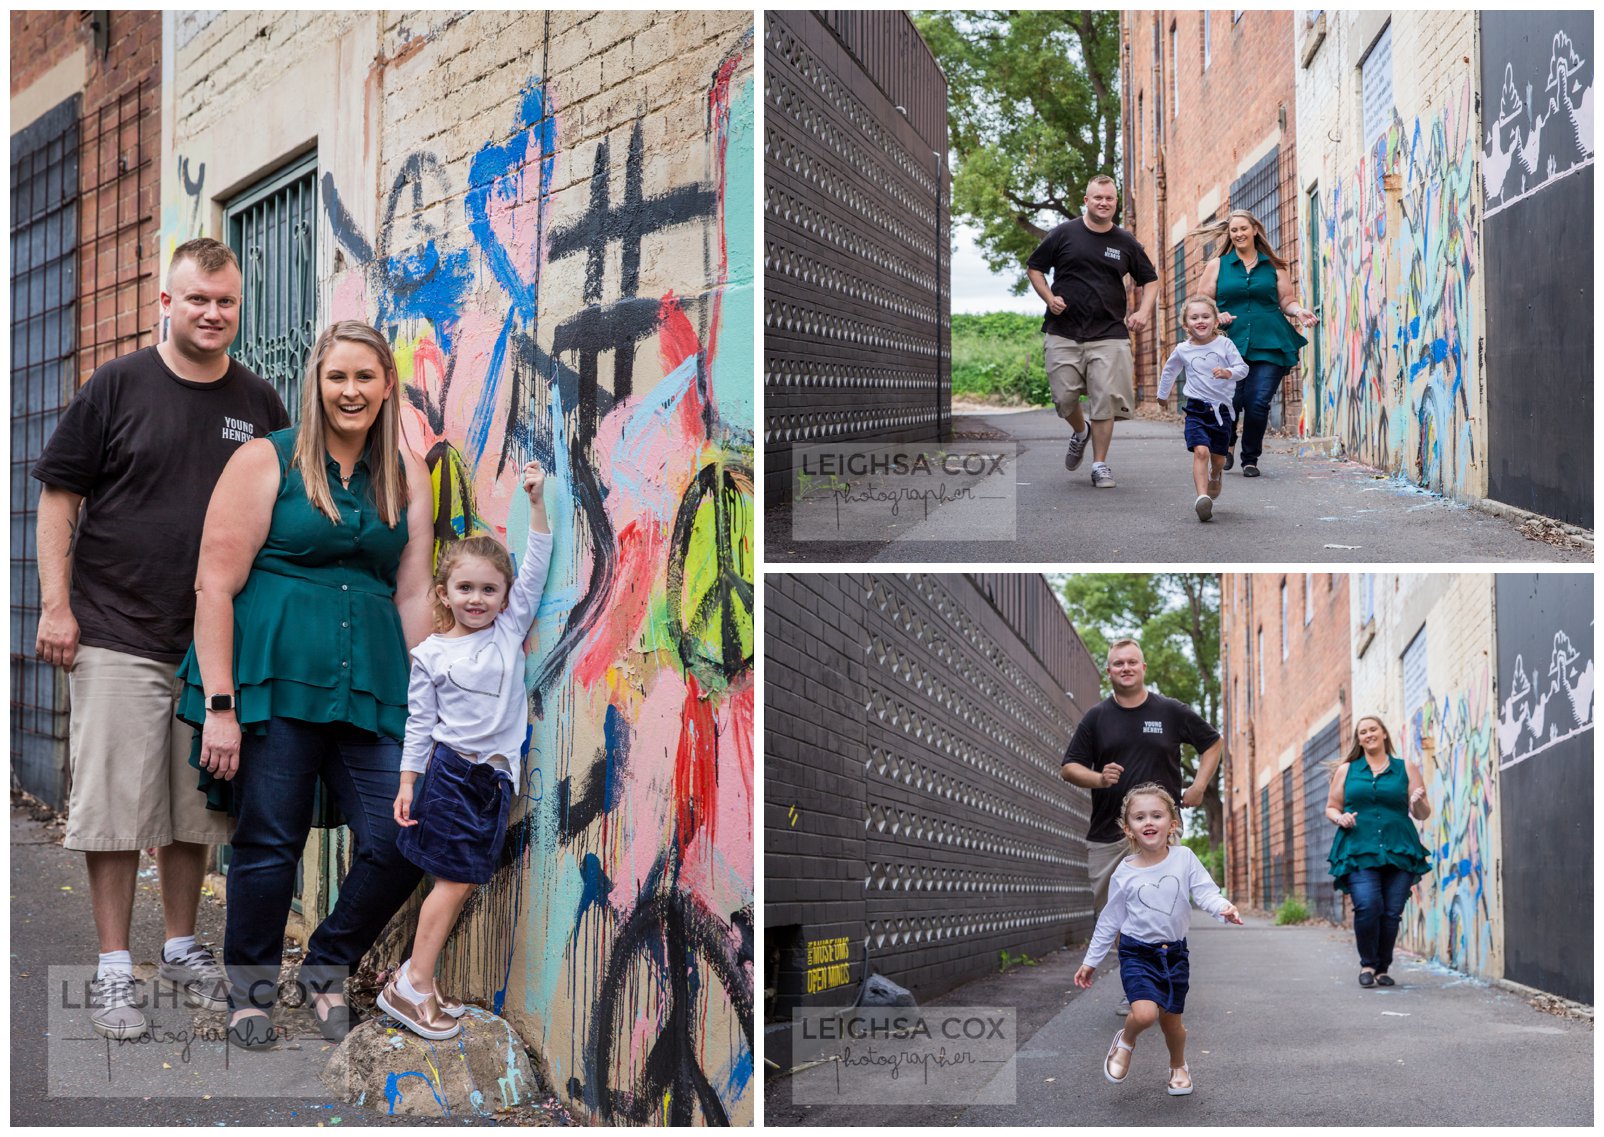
x=392, y=1092
x=594, y=891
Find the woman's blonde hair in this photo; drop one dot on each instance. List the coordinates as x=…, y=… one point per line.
x=484, y=547
x=1216, y=230
x=383, y=453
x=1152, y=789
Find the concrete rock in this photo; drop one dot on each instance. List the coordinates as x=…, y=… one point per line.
x=881, y=992
x=483, y=1070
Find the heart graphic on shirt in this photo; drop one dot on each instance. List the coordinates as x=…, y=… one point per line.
x=482, y=673
x=1163, y=891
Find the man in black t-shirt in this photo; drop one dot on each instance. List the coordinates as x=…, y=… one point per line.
x=1086, y=329
x=1131, y=737
x=127, y=477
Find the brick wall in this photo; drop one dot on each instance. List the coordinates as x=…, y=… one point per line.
x=550, y=215
x=913, y=803
x=1280, y=737
x=1180, y=165
x=1398, y=267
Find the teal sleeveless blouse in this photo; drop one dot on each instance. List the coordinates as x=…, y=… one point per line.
x=1383, y=834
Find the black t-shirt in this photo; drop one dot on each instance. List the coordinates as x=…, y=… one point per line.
x=1089, y=272
x=1146, y=741
x=145, y=448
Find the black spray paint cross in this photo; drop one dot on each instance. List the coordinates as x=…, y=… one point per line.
x=620, y=325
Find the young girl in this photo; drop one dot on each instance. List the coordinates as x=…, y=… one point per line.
x=1149, y=909
x=1213, y=367
x=466, y=722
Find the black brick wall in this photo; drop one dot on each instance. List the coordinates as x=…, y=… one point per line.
x=913, y=733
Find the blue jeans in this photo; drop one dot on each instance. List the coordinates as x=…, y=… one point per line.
x=1379, y=896
x=278, y=772
x=1252, y=403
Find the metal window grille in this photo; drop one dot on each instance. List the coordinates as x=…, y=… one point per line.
x=1180, y=292
x=1266, y=857
x=1288, y=868
x=1375, y=84
x=1259, y=192
x=1414, y=674
x=122, y=185
x=272, y=228
x=44, y=335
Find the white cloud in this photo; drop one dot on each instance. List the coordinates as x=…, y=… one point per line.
x=975, y=288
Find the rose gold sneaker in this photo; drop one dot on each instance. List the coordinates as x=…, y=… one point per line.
x=456, y=1008
x=423, y=1018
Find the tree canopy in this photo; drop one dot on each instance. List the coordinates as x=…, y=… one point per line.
x=1033, y=111
x=1175, y=616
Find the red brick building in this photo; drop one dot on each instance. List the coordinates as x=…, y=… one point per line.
x=1287, y=683
x=85, y=202
x=1209, y=127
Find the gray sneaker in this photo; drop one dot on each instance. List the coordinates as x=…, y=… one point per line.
x=1102, y=476
x=1204, y=506
x=1077, y=449
x=1124, y=1007
x=113, y=1010
x=199, y=977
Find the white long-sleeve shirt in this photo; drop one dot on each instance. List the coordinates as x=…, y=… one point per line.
x=1198, y=361
x=468, y=691
x=1153, y=904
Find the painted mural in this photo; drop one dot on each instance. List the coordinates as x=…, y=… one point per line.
x=617, y=936
x=1453, y=916
x=1548, y=703
x=1398, y=249
x=1543, y=130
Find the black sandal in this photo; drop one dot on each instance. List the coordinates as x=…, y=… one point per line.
x=253, y=1032
x=1385, y=980
x=1367, y=979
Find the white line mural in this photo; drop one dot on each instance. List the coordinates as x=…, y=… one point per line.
x=1541, y=712
x=1543, y=130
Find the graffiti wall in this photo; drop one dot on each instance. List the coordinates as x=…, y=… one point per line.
x=1424, y=664
x=1397, y=253
x=554, y=228
x=1546, y=681
x=1537, y=176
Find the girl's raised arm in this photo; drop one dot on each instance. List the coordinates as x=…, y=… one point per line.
x=524, y=597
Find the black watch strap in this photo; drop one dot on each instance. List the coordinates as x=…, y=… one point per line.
x=221, y=702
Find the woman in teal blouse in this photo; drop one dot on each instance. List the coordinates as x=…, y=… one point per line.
x=1256, y=296
x=1376, y=855
x=312, y=586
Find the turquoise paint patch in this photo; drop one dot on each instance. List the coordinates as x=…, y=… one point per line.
x=732, y=367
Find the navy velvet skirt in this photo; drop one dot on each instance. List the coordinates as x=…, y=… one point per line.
x=461, y=810
x=1157, y=972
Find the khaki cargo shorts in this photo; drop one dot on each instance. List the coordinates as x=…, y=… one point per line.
x=132, y=784
x=1098, y=369
x=1101, y=861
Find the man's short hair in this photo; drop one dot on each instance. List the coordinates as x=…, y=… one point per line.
x=1117, y=644
x=209, y=255
x=1097, y=180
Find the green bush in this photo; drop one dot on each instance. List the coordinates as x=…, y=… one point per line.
x=1212, y=856
x=1293, y=910
x=1005, y=961
x=997, y=357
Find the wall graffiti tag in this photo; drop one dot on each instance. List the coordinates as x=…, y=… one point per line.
x=1543, y=129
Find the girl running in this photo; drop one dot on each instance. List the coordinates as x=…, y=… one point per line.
x=1149, y=909
x=1213, y=367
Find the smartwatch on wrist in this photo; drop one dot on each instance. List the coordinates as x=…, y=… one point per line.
x=220, y=703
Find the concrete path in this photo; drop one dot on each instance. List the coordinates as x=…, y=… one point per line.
x=181, y=1074
x=1280, y=1033
x=1306, y=508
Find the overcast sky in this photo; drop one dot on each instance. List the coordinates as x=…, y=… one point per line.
x=975, y=288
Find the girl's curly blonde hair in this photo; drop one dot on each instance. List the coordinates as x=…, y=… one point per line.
x=1152, y=789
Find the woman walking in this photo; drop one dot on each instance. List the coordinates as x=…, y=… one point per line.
x=313, y=582
x=1376, y=855
x=1256, y=296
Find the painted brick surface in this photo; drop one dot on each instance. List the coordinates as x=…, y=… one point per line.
x=914, y=807
x=1456, y=914
x=1397, y=269
x=550, y=216
x=1180, y=162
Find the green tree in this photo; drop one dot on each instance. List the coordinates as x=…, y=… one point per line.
x=1033, y=111
x=1175, y=616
